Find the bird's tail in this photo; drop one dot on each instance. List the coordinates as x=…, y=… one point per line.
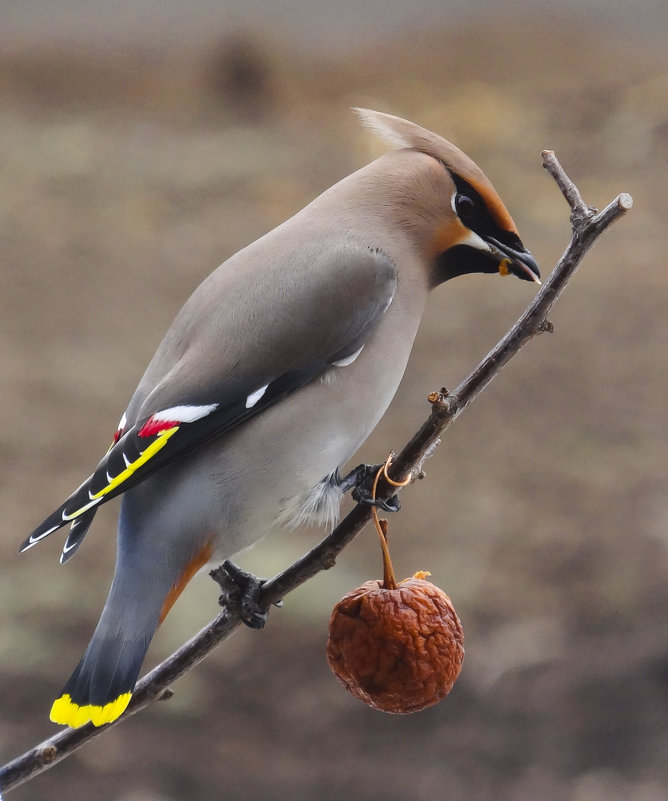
x=101, y=686
x=141, y=595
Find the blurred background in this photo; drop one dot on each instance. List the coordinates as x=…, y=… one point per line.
x=143, y=142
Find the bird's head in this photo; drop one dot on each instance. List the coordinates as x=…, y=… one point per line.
x=470, y=229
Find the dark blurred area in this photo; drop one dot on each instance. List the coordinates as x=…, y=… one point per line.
x=128, y=173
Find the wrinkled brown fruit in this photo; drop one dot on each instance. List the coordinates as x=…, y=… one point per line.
x=399, y=650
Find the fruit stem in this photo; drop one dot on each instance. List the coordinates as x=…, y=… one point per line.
x=389, y=579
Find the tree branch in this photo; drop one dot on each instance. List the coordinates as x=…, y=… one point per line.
x=587, y=226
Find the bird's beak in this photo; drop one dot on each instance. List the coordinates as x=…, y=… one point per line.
x=520, y=263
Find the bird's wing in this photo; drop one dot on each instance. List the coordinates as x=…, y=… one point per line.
x=279, y=343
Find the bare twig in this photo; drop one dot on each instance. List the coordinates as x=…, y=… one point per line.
x=587, y=226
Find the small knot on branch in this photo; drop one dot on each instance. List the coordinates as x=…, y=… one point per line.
x=47, y=754
x=419, y=471
x=438, y=399
x=546, y=327
x=327, y=561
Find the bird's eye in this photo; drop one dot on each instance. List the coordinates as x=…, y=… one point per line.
x=466, y=209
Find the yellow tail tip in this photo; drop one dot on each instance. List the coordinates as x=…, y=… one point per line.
x=68, y=713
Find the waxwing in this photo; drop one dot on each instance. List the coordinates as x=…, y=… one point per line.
x=271, y=376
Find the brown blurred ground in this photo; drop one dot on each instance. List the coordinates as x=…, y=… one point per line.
x=125, y=180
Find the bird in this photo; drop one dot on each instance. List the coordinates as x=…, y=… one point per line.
x=271, y=376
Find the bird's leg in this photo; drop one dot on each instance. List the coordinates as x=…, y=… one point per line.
x=241, y=589
x=360, y=480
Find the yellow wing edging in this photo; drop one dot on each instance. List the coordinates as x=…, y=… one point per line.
x=141, y=460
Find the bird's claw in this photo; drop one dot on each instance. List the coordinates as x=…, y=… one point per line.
x=391, y=504
x=241, y=590
x=361, y=480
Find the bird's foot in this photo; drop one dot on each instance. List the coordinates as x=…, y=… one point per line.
x=361, y=480
x=241, y=590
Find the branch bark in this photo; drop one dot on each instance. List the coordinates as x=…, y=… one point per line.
x=587, y=225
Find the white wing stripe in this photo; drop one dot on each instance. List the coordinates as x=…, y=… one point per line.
x=254, y=397
x=185, y=414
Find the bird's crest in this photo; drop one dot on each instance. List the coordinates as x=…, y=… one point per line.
x=394, y=131
x=399, y=133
